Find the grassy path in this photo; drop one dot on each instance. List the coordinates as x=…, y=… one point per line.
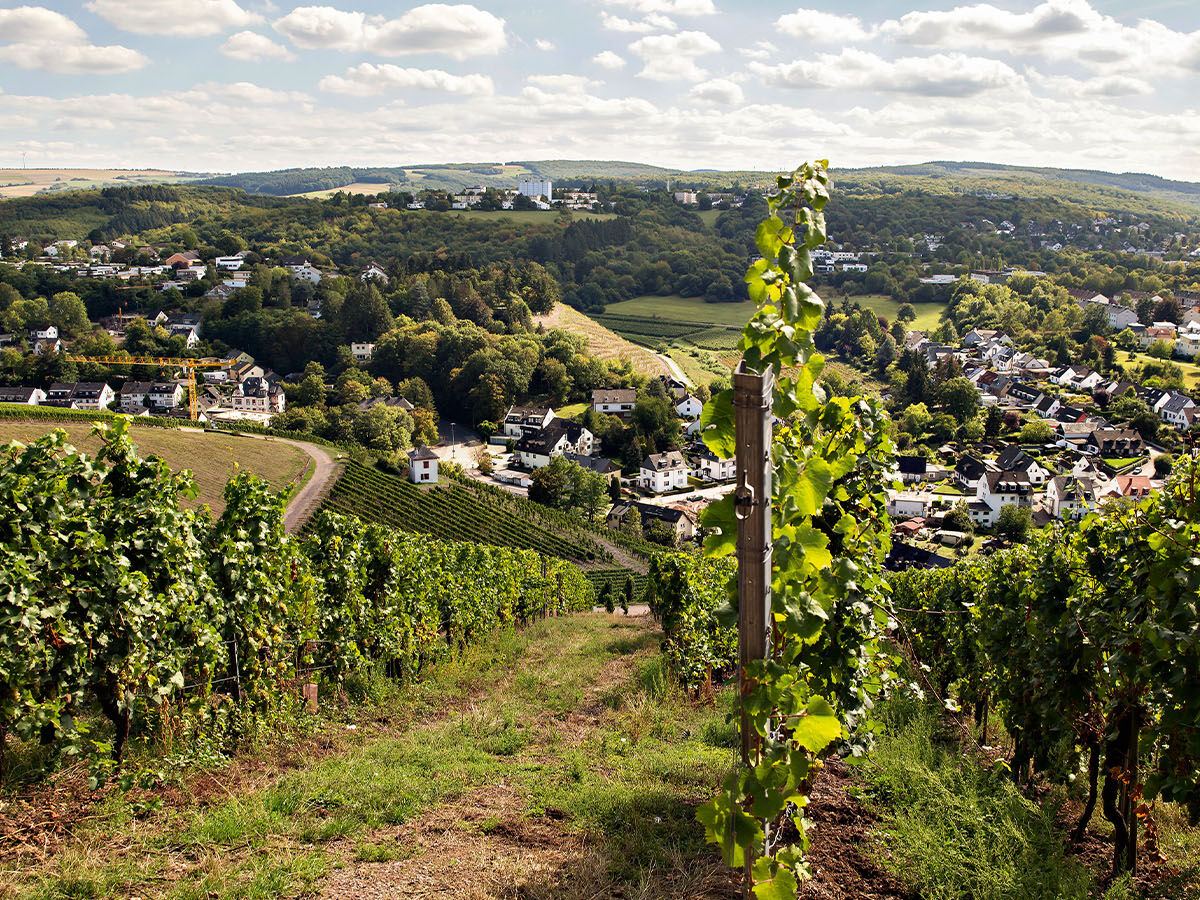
x=553, y=761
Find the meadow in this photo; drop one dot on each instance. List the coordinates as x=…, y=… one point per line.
x=213, y=458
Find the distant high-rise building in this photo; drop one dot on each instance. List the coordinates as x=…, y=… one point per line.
x=536, y=189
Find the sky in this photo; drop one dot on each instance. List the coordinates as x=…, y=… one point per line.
x=245, y=85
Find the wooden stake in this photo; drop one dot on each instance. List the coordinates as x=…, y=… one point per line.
x=752, y=396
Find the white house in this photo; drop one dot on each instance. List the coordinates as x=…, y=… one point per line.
x=1014, y=459
x=1179, y=410
x=997, y=490
x=711, y=467
x=560, y=436
x=49, y=333
x=362, y=350
x=91, y=395
x=26, y=396
x=134, y=396
x=230, y=263
x=689, y=407
x=1070, y=496
x=663, y=472
x=1120, y=317
x=535, y=189
x=422, y=465
x=258, y=395
x=165, y=394
x=522, y=420
x=374, y=272
x=614, y=401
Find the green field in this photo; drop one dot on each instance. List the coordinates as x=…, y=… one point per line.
x=928, y=314
x=1191, y=372
x=212, y=458
x=690, y=310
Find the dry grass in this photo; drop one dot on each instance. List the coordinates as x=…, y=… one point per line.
x=606, y=344
x=27, y=182
x=211, y=457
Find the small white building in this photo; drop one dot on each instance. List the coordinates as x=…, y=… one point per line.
x=26, y=396
x=689, y=407
x=711, y=467
x=614, y=401
x=1070, y=496
x=362, y=350
x=663, y=472
x=422, y=465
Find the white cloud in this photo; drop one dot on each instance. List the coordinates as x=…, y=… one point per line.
x=367, y=80
x=200, y=17
x=667, y=7
x=458, y=30
x=36, y=24
x=940, y=75
x=822, y=27
x=608, y=60
x=73, y=59
x=253, y=94
x=568, y=83
x=251, y=47
x=672, y=57
x=721, y=91
x=652, y=22
x=544, y=45
x=1110, y=86
x=1057, y=29
x=39, y=38
x=760, y=50
x=323, y=28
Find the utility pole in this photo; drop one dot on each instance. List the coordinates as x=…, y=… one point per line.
x=753, y=428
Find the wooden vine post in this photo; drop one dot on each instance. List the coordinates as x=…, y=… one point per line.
x=752, y=396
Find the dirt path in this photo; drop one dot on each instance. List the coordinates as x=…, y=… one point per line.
x=308, y=498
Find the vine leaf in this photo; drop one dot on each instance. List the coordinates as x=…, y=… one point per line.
x=717, y=426
x=818, y=727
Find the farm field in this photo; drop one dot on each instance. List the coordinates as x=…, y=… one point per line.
x=212, y=458
x=27, y=182
x=928, y=314
x=1191, y=371
x=367, y=188
x=687, y=310
x=604, y=343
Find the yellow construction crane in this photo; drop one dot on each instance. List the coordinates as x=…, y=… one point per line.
x=188, y=365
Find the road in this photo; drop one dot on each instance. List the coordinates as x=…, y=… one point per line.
x=716, y=492
x=304, y=503
x=674, y=367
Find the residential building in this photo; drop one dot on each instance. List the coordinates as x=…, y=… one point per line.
x=535, y=189
x=997, y=490
x=1131, y=487
x=1014, y=459
x=362, y=350
x=26, y=396
x=422, y=465
x=661, y=472
x=689, y=407
x=680, y=520
x=258, y=395
x=522, y=420
x=1070, y=496
x=711, y=467
x=49, y=333
x=134, y=396
x=614, y=401
x=374, y=272
x=1116, y=442
x=560, y=436
x=1179, y=410
x=230, y=263
x=165, y=394
x=911, y=469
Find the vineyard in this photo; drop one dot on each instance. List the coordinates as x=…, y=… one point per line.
x=120, y=607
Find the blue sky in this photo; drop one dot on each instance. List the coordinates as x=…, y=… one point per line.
x=234, y=85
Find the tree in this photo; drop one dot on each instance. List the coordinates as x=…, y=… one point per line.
x=958, y=519
x=606, y=597
x=1163, y=464
x=632, y=525
x=1013, y=523
x=661, y=533
x=550, y=485
x=916, y=419
x=69, y=314
x=614, y=489
x=1036, y=433
x=483, y=461
x=995, y=419
x=960, y=399
x=1137, y=413
x=627, y=595
x=906, y=313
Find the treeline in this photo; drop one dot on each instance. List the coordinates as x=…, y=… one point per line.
x=1084, y=644
x=117, y=603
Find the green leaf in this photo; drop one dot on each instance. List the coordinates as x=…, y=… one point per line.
x=818, y=727
x=720, y=518
x=717, y=425
x=781, y=886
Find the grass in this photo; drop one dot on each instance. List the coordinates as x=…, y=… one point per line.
x=604, y=343
x=212, y=458
x=1191, y=371
x=1121, y=462
x=569, y=730
x=571, y=410
x=948, y=490
x=954, y=829
x=928, y=314
x=691, y=310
